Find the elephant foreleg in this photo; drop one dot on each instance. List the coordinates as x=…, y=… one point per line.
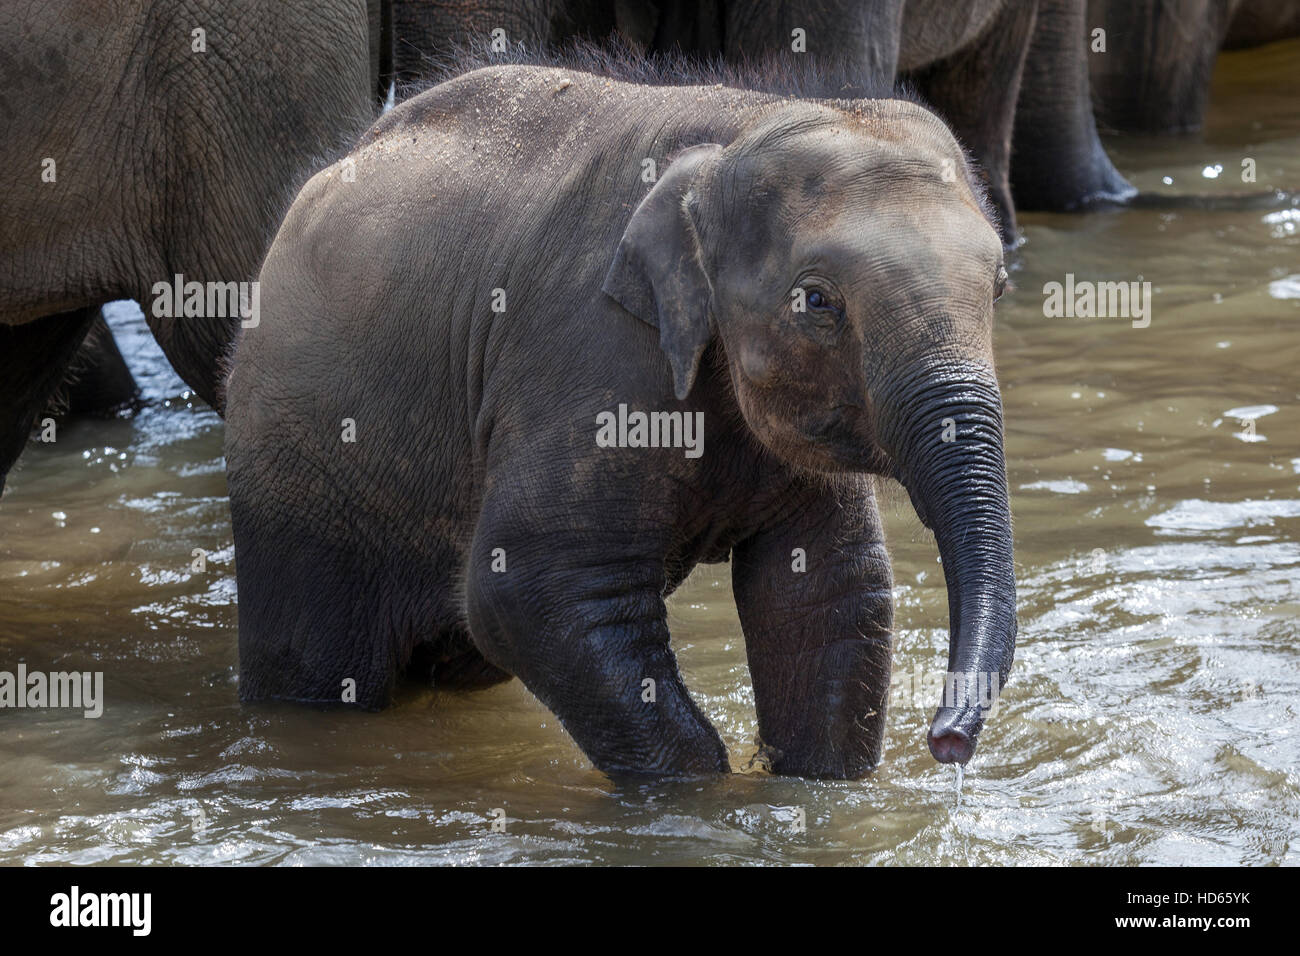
x=815, y=603
x=587, y=633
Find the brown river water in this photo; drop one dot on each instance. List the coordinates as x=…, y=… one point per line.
x=1152, y=715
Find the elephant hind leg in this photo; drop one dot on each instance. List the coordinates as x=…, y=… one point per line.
x=315, y=623
x=98, y=381
x=34, y=358
x=331, y=609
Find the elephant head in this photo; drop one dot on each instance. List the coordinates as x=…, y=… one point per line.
x=845, y=263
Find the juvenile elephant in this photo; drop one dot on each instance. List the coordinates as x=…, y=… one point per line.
x=144, y=140
x=566, y=336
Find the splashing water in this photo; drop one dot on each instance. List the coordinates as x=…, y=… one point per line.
x=961, y=776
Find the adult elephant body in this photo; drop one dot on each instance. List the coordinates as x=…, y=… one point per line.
x=967, y=57
x=426, y=32
x=432, y=435
x=143, y=140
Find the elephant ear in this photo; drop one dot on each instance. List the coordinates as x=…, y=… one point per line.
x=657, y=273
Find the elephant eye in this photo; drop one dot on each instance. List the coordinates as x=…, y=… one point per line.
x=819, y=301
x=1000, y=283
x=819, y=306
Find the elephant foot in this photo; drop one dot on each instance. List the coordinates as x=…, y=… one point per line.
x=1067, y=187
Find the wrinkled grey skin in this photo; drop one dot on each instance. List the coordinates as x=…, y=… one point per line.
x=475, y=431
x=1010, y=76
x=1057, y=160
x=1155, y=75
x=427, y=30
x=167, y=161
x=966, y=57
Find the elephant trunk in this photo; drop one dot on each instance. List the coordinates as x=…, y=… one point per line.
x=946, y=439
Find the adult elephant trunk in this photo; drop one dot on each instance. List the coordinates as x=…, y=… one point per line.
x=944, y=432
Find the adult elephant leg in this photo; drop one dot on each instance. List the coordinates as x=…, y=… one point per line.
x=693, y=27
x=857, y=40
x=819, y=639
x=1155, y=74
x=449, y=660
x=379, y=15
x=34, y=358
x=573, y=606
x=975, y=90
x=99, y=381
x=1058, y=162
x=195, y=347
